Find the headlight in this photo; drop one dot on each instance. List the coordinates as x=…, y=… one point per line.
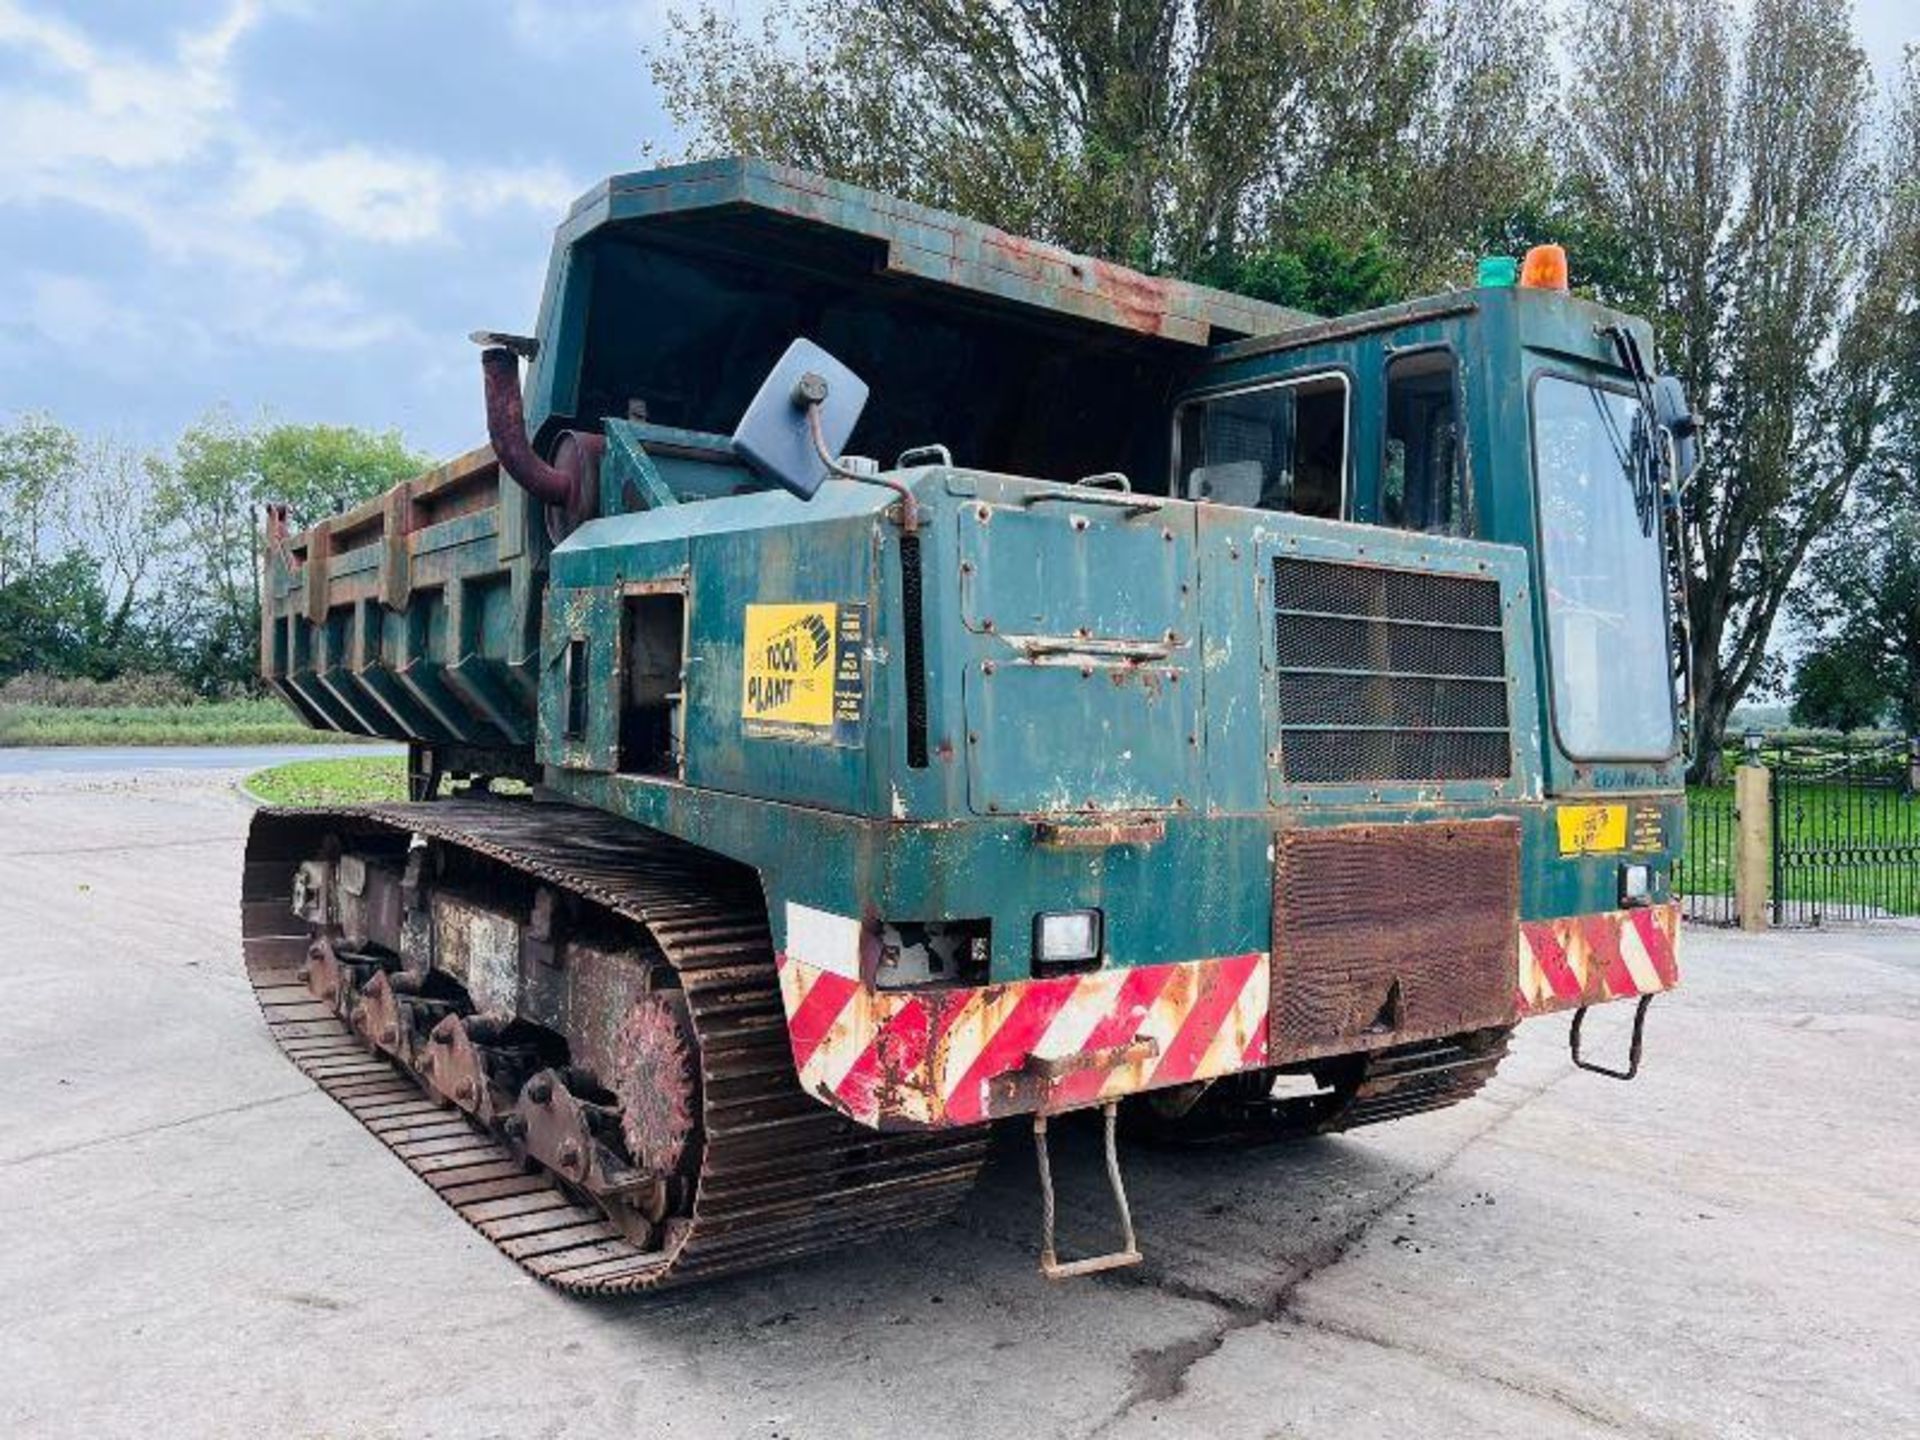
x=1066, y=937
x=1636, y=884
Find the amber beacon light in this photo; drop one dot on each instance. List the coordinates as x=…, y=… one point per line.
x=1545, y=268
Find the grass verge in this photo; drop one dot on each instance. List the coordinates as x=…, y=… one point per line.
x=331, y=782
x=221, y=722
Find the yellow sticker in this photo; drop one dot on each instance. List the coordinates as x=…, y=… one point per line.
x=805, y=671
x=1591, y=829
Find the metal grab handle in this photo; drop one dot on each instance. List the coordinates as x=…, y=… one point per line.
x=1119, y=499
x=1051, y=1265
x=1036, y=646
x=1633, y=1049
x=924, y=455
x=1107, y=480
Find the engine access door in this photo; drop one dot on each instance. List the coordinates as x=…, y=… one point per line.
x=1083, y=696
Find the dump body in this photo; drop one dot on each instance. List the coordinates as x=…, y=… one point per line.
x=1322, y=729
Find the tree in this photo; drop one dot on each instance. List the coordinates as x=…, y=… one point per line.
x=113, y=514
x=1175, y=135
x=1315, y=271
x=37, y=459
x=320, y=470
x=55, y=619
x=80, y=538
x=1735, y=173
x=211, y=497
x=1837, y=688
x=1864, y=596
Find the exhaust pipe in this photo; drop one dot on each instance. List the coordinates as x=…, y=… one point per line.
x=507, y=424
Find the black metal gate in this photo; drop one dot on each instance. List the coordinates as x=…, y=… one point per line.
x=1703, y=875
x=1846, y=830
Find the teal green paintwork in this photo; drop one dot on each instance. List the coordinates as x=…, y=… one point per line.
x=1089, y=656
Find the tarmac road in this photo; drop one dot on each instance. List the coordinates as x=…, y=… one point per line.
x=144, y=759
x=197, y=1242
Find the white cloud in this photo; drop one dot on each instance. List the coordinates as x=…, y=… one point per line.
x=165, y=147
x=70, y=309
x=115, y=111
x=325, y=315
x=163, y=142
x=385, y=196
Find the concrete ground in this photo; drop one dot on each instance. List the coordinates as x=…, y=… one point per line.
x=194, y=1241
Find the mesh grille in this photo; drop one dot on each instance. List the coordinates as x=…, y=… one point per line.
x=1388, y=674
x=1388, y=933
x=1327, y=588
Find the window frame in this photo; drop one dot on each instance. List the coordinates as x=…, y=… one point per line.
x=1390, y=356
x=1343, y=373
x=1675, y=742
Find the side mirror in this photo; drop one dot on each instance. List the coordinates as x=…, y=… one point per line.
x=775, y=436
x=1673, y=415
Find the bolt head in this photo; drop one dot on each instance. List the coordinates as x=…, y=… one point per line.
x=540, y=1090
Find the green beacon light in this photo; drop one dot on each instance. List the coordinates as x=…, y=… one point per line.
x=1497, y=271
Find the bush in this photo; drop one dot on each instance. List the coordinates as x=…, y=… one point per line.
x=123, y=691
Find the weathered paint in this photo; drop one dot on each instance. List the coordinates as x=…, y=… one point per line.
x=963, y=1055
x=907, y=1059
x=480, y=948
x=1098, y=668
x=1590, y=959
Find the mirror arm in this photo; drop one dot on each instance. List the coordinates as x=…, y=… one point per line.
x=909, y=508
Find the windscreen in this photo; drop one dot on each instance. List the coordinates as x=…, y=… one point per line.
x=1600, y=550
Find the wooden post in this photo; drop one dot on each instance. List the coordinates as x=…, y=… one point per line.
x=1753, y=842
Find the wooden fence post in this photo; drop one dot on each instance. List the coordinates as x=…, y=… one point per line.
x=1753, y=841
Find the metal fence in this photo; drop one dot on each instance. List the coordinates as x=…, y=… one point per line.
x=1846, y=830
x=1703, y=877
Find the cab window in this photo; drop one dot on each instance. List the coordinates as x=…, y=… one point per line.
x=1423, y=484
x=1276, y=447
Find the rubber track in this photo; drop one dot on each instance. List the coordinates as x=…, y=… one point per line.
x=1394, y=1083
x=1413, y=1079
x=781, y=1175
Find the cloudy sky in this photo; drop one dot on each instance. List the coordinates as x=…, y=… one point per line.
x=303, y=206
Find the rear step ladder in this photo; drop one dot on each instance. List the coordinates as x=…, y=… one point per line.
x=1633, y=1046
x=1050, y=1263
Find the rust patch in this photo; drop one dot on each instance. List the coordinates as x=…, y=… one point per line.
x=658, y=1083
x=1099, y=836
x=1384, y=934
x=377, y=1019
x=1142, y=300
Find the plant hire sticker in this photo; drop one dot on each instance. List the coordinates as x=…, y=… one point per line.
x=804, y=672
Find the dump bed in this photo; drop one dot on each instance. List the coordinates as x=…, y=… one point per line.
x=415, y=616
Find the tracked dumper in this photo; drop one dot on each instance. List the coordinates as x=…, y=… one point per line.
x=884, y=677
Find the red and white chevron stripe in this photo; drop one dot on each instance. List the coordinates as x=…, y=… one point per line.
x=901, y=1059
x=897, y=1059
x=1587, y=959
